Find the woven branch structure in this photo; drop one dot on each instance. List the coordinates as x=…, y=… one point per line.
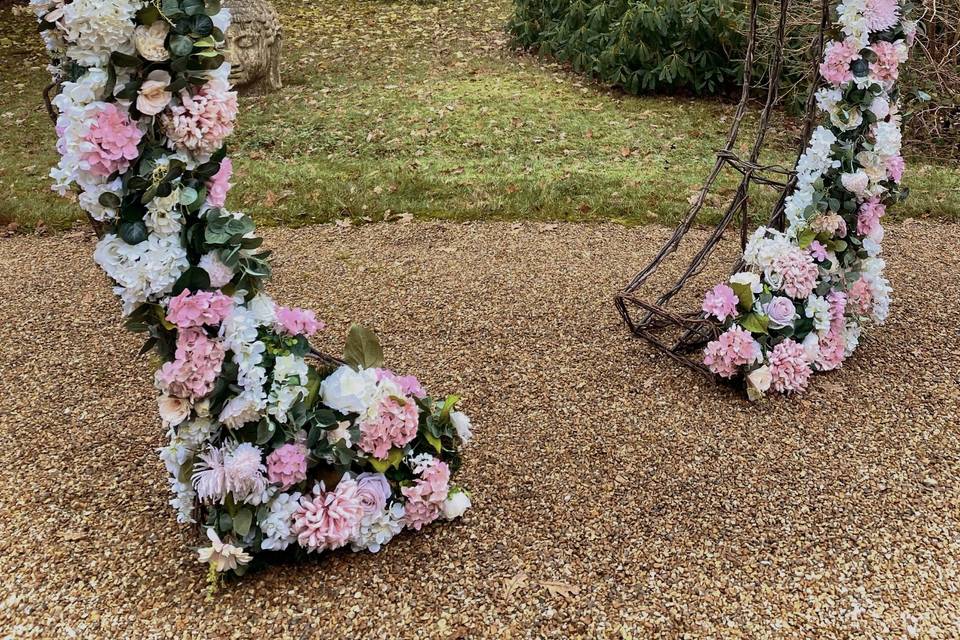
x=682, y=334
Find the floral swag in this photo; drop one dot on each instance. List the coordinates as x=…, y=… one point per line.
x=804, y=294
x=272, y=445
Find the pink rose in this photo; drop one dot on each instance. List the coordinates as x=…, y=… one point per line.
x=154, y=96
x=781, y=312
x=373, y=490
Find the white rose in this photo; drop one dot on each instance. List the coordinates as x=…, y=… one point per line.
x=461, y=422
x=173, y=411
x=455, y=505
x=758, y=382
x=149, y=41
x=349, y=391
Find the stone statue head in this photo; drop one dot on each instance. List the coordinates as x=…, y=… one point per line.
x=253, y=46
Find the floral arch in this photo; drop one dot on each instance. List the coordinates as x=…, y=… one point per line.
x=272, y=445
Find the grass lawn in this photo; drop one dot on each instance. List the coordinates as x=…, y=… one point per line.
x=395, y=108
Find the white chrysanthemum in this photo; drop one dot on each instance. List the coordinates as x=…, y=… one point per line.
x=818, y=308
x=144, y=271
x=277, y=525
x=93, y=29
x=349, y=391
x=378, y=529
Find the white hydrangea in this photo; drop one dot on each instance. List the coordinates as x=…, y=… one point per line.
x=764, y=247
x=263, y=310
x=818, y=308
x=89, y=199
x=289, y=384
x=349, y=391
x=818, y=157
x=220, y=274
x=183, y=500
x=93, y=29
x=243, y=408
x=144, y=271
x=378, y=529
x=795, y=206
x=880, y=288
x=277, y=526
x=853, y=23
x=888, y=139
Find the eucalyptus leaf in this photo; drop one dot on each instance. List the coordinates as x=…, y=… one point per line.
x=242, y=520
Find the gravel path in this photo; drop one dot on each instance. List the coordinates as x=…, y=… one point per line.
x=616, y=495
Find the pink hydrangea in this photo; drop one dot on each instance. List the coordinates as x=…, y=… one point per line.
x=328, y=519
x=202, y=121
x=720, y=302
x=818, y=251
x=198, y=309
x=219, y=184
x=861, y=296
x=393, y=424
x=837, y=59
x=408, y=384
x=886, y=68
x=789, y=367
x=880, y=15
x=799, y=273
x=733, y=349
x=297, y=322
x=832, y=351
x=427, y=494
x=895, y=168
x=869, y=216
x=287, y=465
x=838, y=309
x=195, y=367
x=374, y=491
x=113, y=139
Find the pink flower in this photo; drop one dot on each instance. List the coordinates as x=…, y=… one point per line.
x=114, y=139
x=394, y=424
x=297, y=322
x=799, y=273
x=837, y=59
x=202, y=121
x=287, y=465
x=198, y=309
x=408, y=384
x=426, y=496
x=328, y=519
x=734, y=348
x=195, y=367
x=832, y=351
x=869, y=216
x=838, y=309
x=219, y=184
x=895, y=168
x=789, y=367
x=861, y=296
x=818, y=251
x=154, y=97
x=374, y=491
x=781, y=311
x=886, y=68
x=881, y=14
x=721, y=302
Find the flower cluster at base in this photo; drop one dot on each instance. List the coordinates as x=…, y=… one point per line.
x=805, y=293
x=269, y=447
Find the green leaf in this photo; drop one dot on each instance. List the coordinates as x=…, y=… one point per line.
x=195, y=279
x=180, y=45
x=265, y=431
x=188, y=196
x=393, y=459
x=807, y=236
x=448, y=405
x=435, y=441
x=110, y=200
x=362, y=349
x=744, y=295
x=132, y=232
x=755, y=323
x=242, y=521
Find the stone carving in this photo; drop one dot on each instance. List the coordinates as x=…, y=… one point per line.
x=254, y=40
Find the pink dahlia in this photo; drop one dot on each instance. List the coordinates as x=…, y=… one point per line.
x=886, y=68
x=297, y=322
x=197, y=309
x=113, y=139
x=734, y=348
x=219, y=184
x=202, y=121
x=837, y=59
x=880, y=15
x=328, y=519
x=720, y=302
x=195, y=367
x=408, y=384
x=869, y=216
x=799, y=273
x=287, y=465
x=394, y=424
x=789, y=367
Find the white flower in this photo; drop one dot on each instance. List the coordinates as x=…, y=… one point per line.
x=342, y=432
x=95, y=28
x=149, y=41
x=461, y=422
x=888, y=139
x=758, y=382
x=144, y=271
x=163, y=214
x=173, y=410
x=223, y=556
x=263, y=309
x=456, y=504
x=349, y=391
x=856, y=183
x=89, y=199
x=290, y=374
x=220, y=274
x=276, y=526
x=819, y=309
x=242, y=409
x=244, y=471
x=378, y=529
x=748, y=279
x=811, y=347
x=765, y=246
x=182, y=500
x=880, y=107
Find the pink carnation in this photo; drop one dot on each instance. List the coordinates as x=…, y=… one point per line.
x=219, y=184
x=297, y=322
x=734, y=348
x=832, y=351
x=201, y=122
x=869, y=216
x=408, y=384
x=198, y=309
x=393, y=425
x=789, y=367
x=114, y=139
x=895, y=168
x=880, y=15
x=328, y=519
x=287, y=465
x=861, y=296
x=195, y=367
x=799, y=273
x=427, y=494
x=886, y=68
x=837, y=59
x=721, y=302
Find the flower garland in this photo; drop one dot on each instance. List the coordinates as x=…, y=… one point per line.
x=269, y=448
x=804, y=294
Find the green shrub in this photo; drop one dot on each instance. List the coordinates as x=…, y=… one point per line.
x=640, y=45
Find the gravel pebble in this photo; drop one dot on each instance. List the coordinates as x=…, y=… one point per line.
x=617, y=495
